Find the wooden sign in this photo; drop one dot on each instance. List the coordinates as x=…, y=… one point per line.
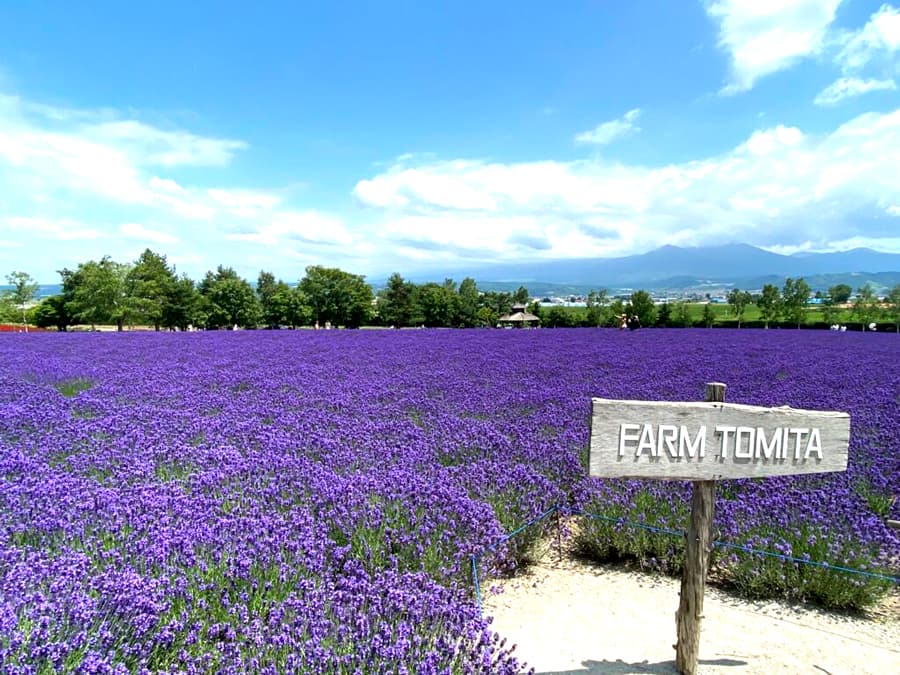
x=711, y=440
x=703, y=442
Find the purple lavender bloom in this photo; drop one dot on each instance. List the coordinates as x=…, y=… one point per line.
x=310, y=501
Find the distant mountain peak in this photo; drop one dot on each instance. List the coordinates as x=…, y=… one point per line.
x=732, y=264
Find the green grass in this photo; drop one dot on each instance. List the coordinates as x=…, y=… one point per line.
x=73, y=386
x=760, y=576
x=879, y=502
x=173, y=471
x=722, y=316
x=512, y=513
x=600, y=537
x=378, y=543
x=608, y=538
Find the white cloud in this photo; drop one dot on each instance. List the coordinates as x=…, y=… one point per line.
x=848, y=87
x=402, y=186
x=781, y=185
x=607, y=132
x=879, y=37
x=886, y=244
x=292, y=228
x=769, y=141
x=65, y=161
x=60, y=168
x=103, y=159
x=150, y=145
x=765, y=36
x=244, y=203
x=138, y=231
x=166, y=185
x=63, y=229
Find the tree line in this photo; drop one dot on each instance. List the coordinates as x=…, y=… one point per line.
x=149, y=292
x=790, y=302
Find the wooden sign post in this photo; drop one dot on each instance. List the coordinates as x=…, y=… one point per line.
x=696, y=562
x=704, y=442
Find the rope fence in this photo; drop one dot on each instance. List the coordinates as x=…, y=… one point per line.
x=490, y=549
x=563, y=509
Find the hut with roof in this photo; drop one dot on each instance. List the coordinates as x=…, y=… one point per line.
x=519, y=317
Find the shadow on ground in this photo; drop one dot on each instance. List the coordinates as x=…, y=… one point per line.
x=619, y=667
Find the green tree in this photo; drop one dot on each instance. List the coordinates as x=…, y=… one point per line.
x=9, y=313
x=437, y=304
x=641, y=305
x=69, y=280
x=596, y=307
x=52, y=312
x=337, y=297
x=709, y=316
x=795, y=294
x=467, y=304
x=893, y=307
x=559, y=317
x=222, y=273
x=682, y=314
x=232, y=303
x=840, y=293
x=182, y=308
x=276, y=301
x=738, y=301
x=521, y=296
x=397, y=302
x=24, y=289
x=830, y=310
x=266, y=287
x=664, y=315
x=147, y=287
x=228, y=300
x=865, y=306
x=288, y=308
x=499, y=302
x=616, y=310
x=769, y=303
x=487, y=317
x=453, y=298
x=97, y=292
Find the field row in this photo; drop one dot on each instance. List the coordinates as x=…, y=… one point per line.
x=310, y=501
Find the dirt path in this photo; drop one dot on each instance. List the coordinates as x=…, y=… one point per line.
x=573, y=617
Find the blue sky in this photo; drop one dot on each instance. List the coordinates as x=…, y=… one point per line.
x=386, y=136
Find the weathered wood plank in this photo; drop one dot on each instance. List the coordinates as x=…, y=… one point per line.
x=696, y=564
x=689, y=616
x=697, y=440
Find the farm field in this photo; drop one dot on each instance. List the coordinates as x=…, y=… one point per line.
x=310, y=501
x=813, y=317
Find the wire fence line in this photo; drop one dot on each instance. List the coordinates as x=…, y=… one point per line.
x=564, y=509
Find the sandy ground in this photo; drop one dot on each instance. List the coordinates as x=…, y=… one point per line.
x=567, y=616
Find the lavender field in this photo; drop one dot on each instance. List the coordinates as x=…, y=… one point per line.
x=310, y=501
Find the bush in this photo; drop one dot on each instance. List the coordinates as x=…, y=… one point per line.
x=755, y=575
x=603, y=532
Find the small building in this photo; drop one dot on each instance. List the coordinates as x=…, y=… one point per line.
x=519, y=318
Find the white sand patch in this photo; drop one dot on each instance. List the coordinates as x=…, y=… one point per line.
x=568, y=616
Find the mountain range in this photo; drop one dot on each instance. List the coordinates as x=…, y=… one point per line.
x=687, y=269
x=704, y=269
